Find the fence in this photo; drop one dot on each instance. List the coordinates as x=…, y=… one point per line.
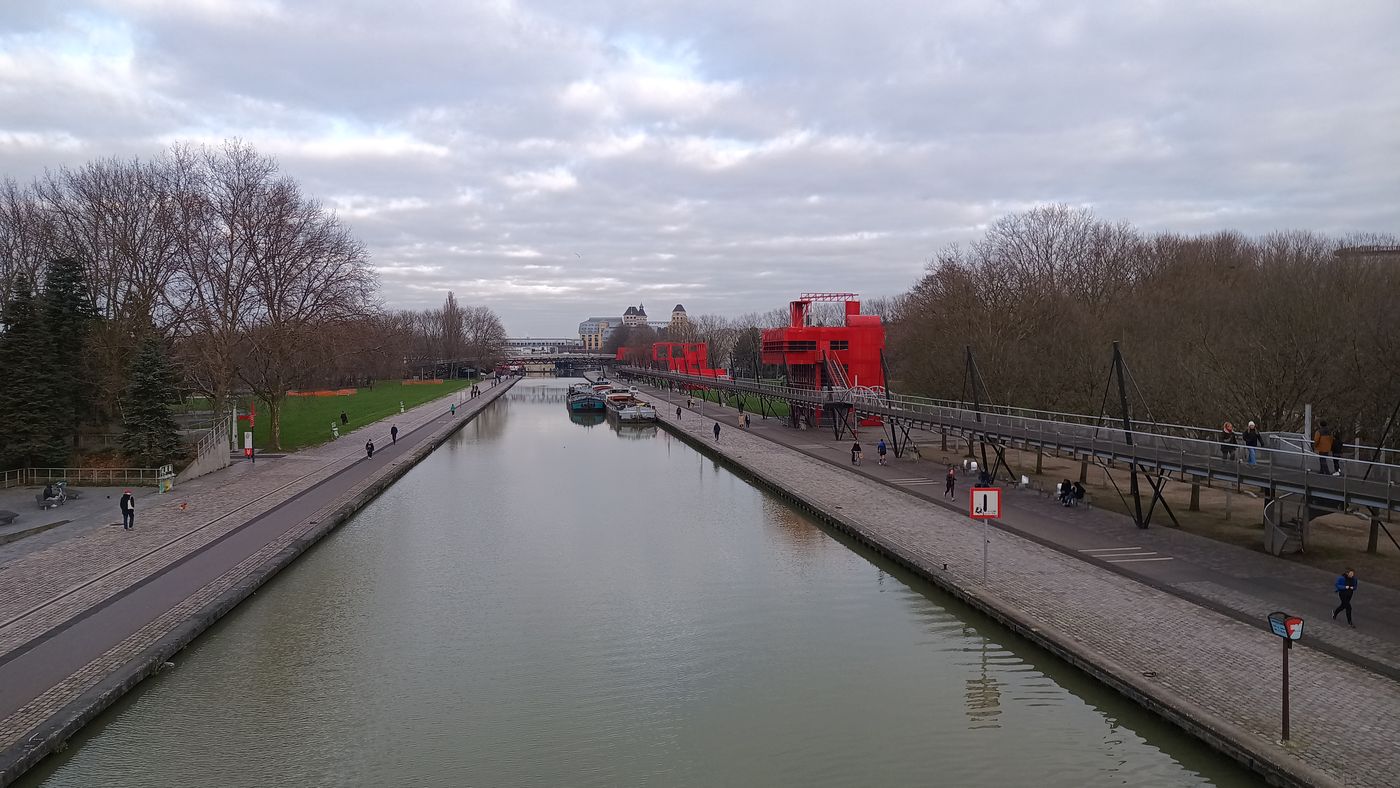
x=93, y=477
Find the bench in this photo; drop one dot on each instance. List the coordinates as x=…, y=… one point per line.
x=45, y=503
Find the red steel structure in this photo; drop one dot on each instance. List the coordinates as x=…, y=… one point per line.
x=837, y=357
x=690, y=358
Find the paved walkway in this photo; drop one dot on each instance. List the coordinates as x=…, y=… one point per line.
x=76, y=613
x=1230, y=579
x=1217, y=671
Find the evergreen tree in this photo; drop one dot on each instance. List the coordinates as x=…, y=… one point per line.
x=68, y=318
x=152, y=438
x=29, y=413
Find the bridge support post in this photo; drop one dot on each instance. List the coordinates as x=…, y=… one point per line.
x=1039, y=457
x=1195, y=505
x=1084, y=471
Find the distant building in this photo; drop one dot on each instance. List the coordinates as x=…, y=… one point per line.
x=635, y=316
x=678, y=315
x=594, y=332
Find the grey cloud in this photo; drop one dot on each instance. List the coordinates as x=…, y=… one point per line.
x=557, y=159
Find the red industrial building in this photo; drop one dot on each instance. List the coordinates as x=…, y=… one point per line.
x=818, y=357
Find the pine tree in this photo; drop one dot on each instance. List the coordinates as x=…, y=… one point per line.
x=68, y=318
x=152, y=438
x=29, y=413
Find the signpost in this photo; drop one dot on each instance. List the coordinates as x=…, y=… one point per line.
x=985, y=505
x=248, y=446
x=1288, y=628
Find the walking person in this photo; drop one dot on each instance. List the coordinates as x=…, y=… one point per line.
x=855, y=453
x=746, y=421
x=1251, y=444
x=1346, y=586
x=1228, y=441
x=394, y=434
x=716, y=432
x=880, y=449
x=1322, y=444
x=452, y=409
x=950, y=480
x=344, y=419
x=678, y=413
x=127, y=505
x=369, y=449
x=1339, y=447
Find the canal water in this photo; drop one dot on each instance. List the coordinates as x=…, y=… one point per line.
x=550, y=602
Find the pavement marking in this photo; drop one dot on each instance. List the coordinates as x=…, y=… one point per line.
x=1108, y=549
x=1131, y=560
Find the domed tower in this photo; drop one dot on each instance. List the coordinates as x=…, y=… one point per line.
x=678, y=315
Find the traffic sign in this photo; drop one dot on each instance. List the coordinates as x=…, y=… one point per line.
x=1289, y=628
x=985, y=503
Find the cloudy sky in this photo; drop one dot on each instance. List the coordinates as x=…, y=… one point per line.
x=556, y=160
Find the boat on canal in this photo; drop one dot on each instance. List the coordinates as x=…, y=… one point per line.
x=628, y=407
x=583, y=398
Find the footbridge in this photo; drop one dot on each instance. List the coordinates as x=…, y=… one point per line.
x=1285, y=471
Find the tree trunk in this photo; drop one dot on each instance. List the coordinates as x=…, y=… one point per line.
x=274, y=413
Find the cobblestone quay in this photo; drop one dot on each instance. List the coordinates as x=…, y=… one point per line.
x=1214, y=676
x=85, y=620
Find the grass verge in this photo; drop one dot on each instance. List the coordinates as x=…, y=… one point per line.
x=306, y=421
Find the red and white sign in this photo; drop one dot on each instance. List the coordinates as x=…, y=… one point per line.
x=1295, y=627
x=247, y=444
x=985, y=503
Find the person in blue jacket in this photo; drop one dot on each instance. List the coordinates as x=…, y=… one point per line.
x=1346, y=586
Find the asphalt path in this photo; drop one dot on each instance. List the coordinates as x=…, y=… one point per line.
x=29, y=670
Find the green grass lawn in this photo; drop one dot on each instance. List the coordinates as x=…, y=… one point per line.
x=750, y=403
x=306, y=421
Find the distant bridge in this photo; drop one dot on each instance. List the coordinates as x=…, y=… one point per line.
x=574, y=358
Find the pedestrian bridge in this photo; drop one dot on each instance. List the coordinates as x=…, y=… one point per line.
x=1189, y=454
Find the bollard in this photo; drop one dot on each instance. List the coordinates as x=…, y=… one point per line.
x=335, y=431
x=400, y=406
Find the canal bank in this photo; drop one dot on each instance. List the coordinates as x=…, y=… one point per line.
x=1214, y=677
x=71, y=656
x=556, y=601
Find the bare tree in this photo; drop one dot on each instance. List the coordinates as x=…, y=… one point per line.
x=309, y=275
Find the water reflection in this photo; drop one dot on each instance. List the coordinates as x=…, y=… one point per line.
x=588, y=419
x=983, y=689
x=628, y=431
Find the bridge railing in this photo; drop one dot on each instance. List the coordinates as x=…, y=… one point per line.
x=1176, y=446
x=1183, y=452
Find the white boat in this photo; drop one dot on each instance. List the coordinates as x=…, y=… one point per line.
x=628, y=407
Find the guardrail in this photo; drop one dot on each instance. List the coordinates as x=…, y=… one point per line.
x=1280, y=464
x=92, y=477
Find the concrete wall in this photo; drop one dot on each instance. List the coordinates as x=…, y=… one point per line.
x=213, y=453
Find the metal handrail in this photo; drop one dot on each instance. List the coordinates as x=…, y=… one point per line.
x=30, y=477
x=1202, y=448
